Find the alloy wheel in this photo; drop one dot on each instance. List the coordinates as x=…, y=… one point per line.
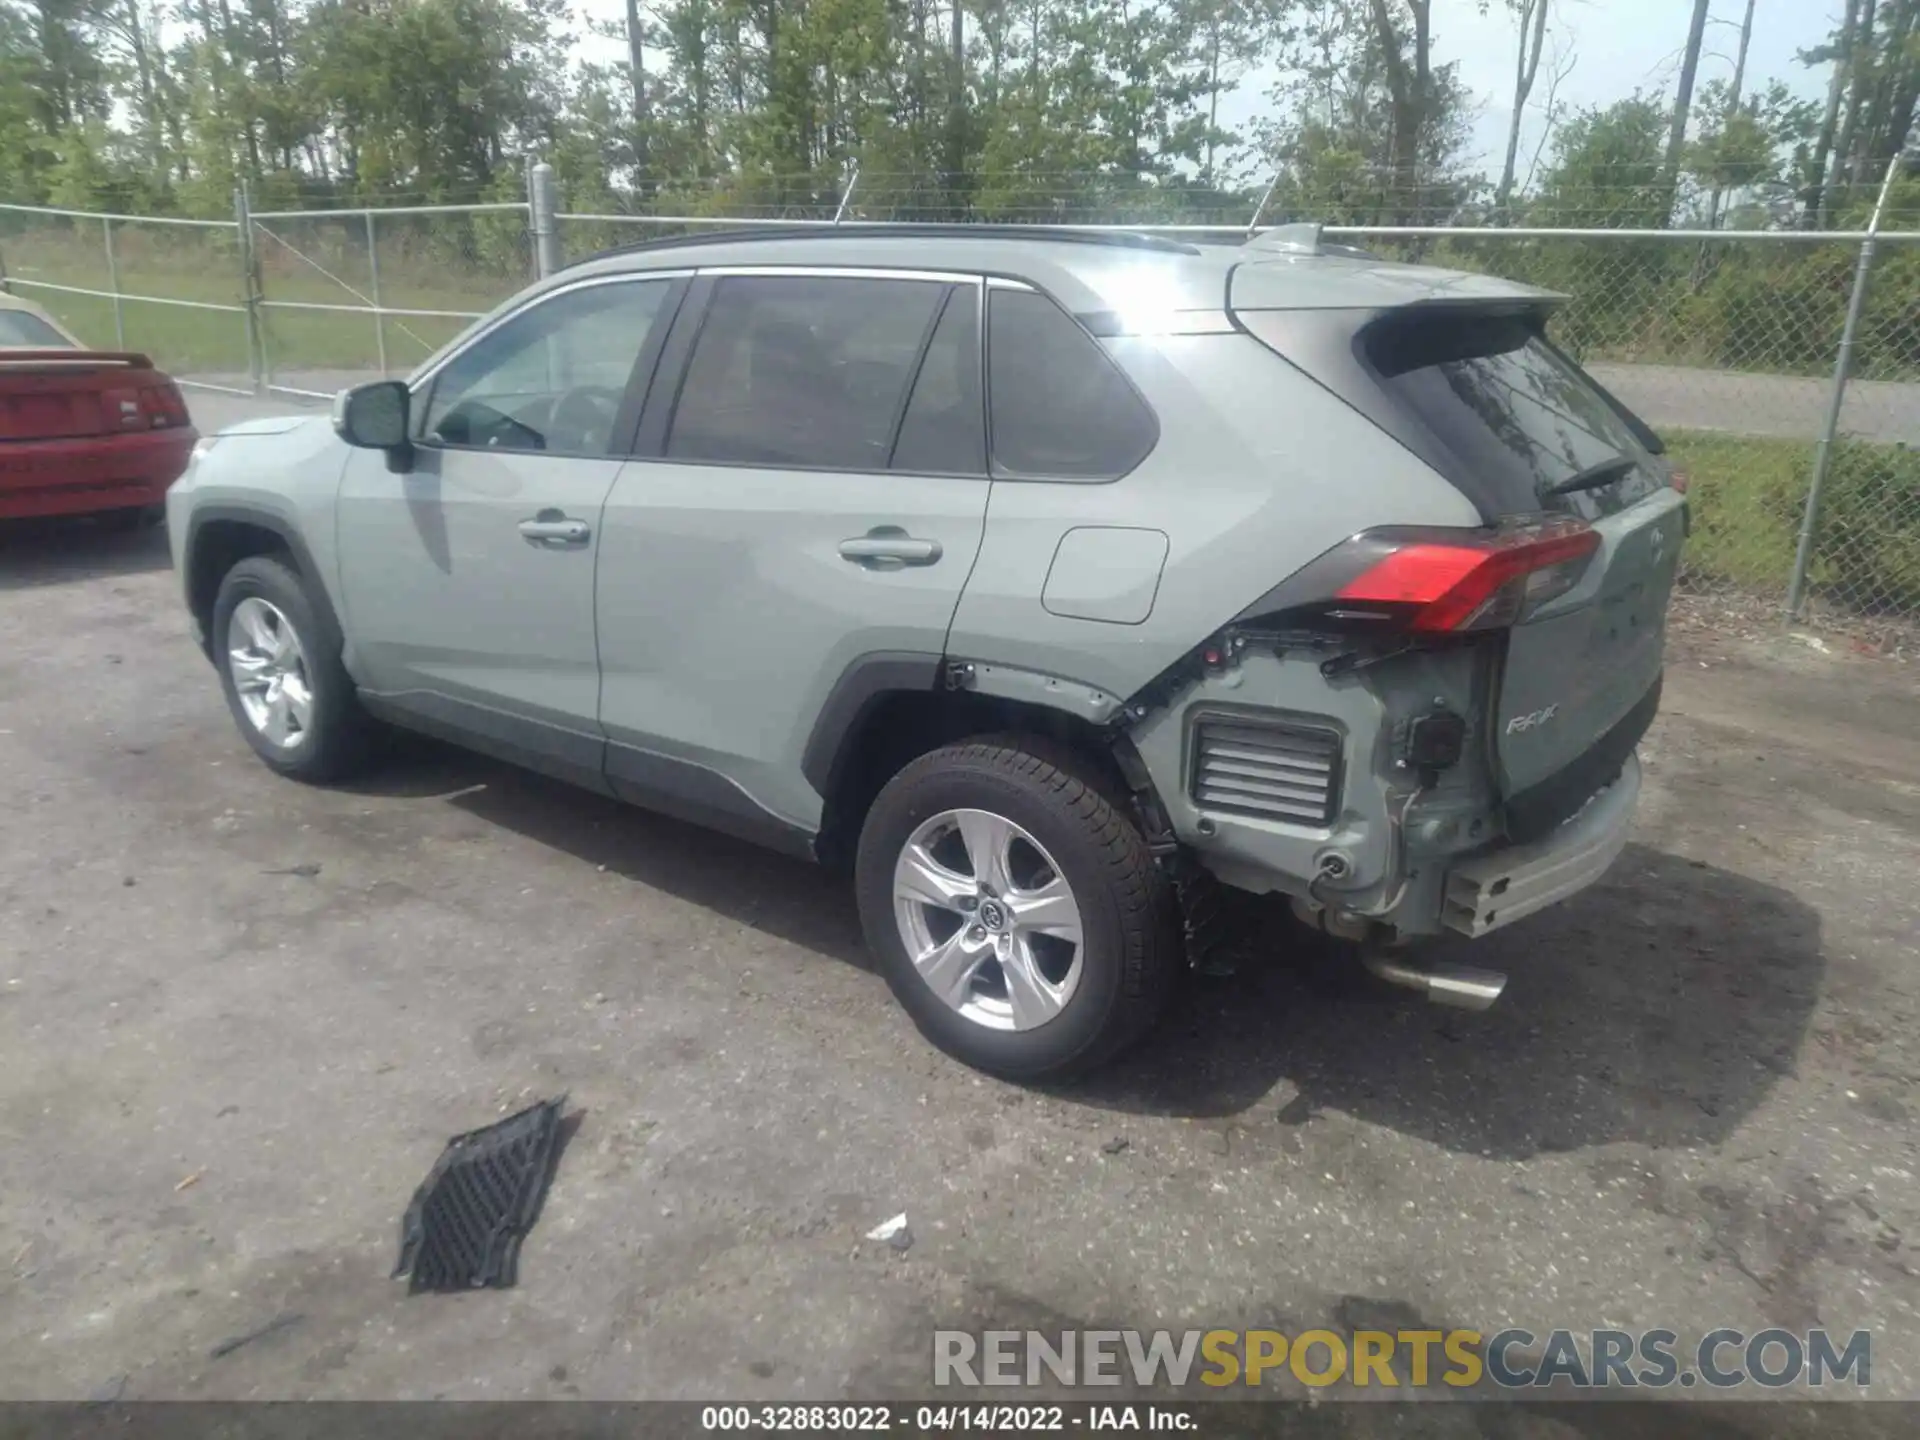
x=269, y=670
x=988, y=919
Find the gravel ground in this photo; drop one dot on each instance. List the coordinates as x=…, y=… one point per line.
x=239, y=1017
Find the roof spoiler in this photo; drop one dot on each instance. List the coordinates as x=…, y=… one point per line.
x=132, y=359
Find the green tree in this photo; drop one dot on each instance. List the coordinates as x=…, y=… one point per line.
x=1607, y=167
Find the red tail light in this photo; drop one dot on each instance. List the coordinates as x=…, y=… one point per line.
x=1476, y=585
x=162, y=405
x=1434, y=581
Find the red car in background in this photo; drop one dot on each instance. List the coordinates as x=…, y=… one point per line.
x=83, y=432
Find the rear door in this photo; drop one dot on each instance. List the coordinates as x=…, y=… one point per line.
x=1521, y=424
x=1480, y=394
x=813, y=494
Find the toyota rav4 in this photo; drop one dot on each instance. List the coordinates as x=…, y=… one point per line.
x=1053, y=580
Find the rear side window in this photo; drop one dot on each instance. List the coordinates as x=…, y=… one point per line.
x=18, y=327
x=1508, y=409
x=1059, y=407
x=803, y=371
x=944, y=431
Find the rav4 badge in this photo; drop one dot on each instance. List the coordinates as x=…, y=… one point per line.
x=1534, y=720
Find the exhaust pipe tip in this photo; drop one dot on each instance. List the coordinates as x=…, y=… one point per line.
x=1460, y=987
x=1465, y=988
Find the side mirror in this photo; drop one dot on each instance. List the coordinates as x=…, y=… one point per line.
x=375, y=417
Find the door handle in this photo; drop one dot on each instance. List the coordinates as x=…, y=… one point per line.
x=888, y=547
x=553, y=530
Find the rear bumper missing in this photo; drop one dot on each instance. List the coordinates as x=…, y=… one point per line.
x=1494, y=890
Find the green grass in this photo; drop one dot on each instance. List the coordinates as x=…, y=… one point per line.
x=1748, y=496
x=1745, y=495
x=203, y=267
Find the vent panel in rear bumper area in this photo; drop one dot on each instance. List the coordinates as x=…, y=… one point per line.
x=1278, y=770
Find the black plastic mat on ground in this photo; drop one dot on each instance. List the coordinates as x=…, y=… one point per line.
x=463, y=1229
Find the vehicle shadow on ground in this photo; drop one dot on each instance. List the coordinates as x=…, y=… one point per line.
x=59, y=552
x=1659, y=1006
x=777, y=894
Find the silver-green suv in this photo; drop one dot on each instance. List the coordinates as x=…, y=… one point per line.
x=1054, y=579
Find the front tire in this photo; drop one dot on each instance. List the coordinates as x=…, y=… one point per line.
x=280, y=667
x=1015, y=908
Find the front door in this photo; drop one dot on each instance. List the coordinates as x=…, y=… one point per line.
x=817, y=494
x=468, y=579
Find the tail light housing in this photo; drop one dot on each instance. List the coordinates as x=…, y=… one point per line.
x=163, y=406
x=1436, y=581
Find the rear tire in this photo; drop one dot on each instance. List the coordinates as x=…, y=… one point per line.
x=280, y=668
x=1030, y=863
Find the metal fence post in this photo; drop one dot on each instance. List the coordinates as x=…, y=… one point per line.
x=113, y=283
x=1843, y=365
x=257, y=376
x=373, y=277
x=541, y=219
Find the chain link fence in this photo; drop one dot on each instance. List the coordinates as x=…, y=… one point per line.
x=1726, y=341
x=341, y=293
x=166, y=287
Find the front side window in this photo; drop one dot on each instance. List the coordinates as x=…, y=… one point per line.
x=803, y=371
x=553, y=378
x=1059, y=406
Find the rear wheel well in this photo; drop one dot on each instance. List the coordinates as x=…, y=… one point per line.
x=218, y=546
x=899, y=726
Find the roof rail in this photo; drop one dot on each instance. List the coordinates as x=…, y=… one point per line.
x=936, y=230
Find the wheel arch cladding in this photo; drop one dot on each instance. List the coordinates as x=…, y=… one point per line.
x=221, y=536
x=862, y=686
x=889, y=708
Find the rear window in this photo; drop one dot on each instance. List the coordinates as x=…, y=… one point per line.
x=1508, y=410
x=1057, y=406
x=18, y=327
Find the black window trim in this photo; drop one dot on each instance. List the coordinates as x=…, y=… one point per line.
x=670, y=377
x=905, y=402
x=420, y=386
x=995, y=469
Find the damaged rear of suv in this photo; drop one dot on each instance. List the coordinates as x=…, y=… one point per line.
x=1434, y=559
x=1462, y=701
x=1053, y=580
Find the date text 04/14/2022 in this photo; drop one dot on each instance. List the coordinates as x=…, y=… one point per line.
x=993, y=1419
